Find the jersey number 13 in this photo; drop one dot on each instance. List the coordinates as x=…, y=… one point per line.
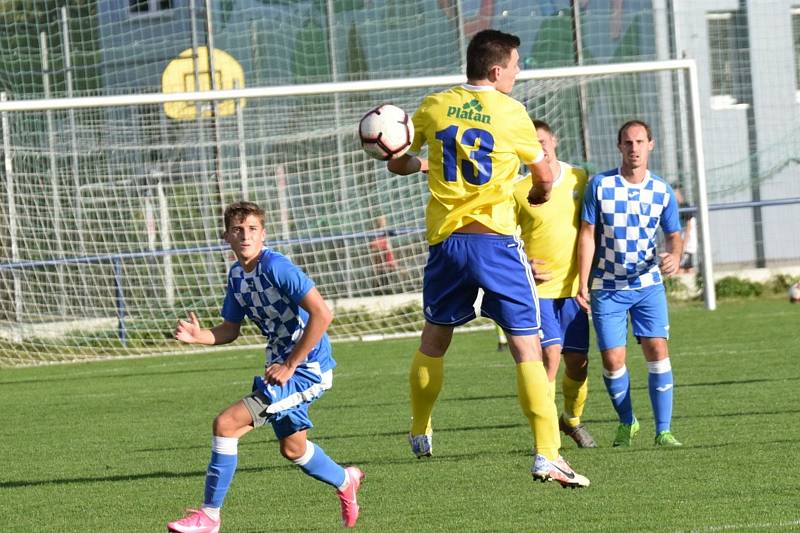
x=477, y=170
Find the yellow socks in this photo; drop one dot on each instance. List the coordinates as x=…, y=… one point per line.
x=575, y=393
x=425, y=378
x=533, y=391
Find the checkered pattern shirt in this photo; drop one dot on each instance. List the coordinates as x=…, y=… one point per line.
x=270, y=296
x=626, y=217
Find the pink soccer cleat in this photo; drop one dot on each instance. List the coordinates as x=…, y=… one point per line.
x=347, y=497
x=196, y=521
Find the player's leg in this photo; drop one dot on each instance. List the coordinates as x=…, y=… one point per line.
x=551, y=340
x=533, y=393
x=286, y=410
x=610, y=318
x=574, y=324
x=230, y=425
x=649, y=318
x=575, y=388
x=539, y=407
x=551, y=358
x=425, y=379
x=510, y=300
x=448, y=294
x=314, y=462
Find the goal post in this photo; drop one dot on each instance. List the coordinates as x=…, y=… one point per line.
x=101, y=262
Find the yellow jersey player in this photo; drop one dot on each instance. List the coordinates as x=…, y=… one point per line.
x=550, y=234
x=476, y=136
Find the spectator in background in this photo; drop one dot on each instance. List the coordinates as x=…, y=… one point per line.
x=381, y=255
x=689, y=236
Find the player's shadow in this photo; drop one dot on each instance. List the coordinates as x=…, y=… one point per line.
x=131, y=477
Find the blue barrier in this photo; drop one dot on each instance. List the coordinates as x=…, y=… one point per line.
x=117, y=259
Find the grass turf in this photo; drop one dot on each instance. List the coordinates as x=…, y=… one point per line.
x=123, y=445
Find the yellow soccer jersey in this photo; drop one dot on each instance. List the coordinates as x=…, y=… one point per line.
x=550, y=231
x=476, y=138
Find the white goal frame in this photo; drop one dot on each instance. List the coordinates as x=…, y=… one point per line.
x=687, y=65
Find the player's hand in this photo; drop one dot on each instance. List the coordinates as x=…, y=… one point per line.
x=278, y=374
x=540, y=275
x=537, y=195
x=669, y=263
x=583, y=299
x=187, y=331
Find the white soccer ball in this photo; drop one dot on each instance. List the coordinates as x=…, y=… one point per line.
x=794, y=293
x=386, y=132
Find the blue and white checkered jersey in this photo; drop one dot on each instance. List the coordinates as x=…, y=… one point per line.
x=270, y=296
x=626, y=217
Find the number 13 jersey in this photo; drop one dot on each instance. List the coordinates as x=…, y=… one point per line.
x=477, y=137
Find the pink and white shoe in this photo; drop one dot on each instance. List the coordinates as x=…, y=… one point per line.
x=195, y=521
x=347, y=497
x=558, y=470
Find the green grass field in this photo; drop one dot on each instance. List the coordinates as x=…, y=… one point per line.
x=123, y=445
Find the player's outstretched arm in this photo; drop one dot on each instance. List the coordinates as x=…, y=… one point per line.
x=542, y=179
x=190, y=332
x=586, y=250
x=671, y=259
x=407, y=164
x=319, y=318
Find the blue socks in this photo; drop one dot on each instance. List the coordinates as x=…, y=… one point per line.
x=318, y=465
x=224, y=458
x=618, y=385
x=220, y=470
x=660, y=385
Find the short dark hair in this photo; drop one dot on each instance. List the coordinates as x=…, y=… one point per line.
x=487, y=49
x=630, y=123
x=542, y=125
x=239, y=211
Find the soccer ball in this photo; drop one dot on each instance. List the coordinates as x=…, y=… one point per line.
x=386, y=132
x=794, y=293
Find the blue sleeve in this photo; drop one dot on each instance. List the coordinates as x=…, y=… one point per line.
x=291, y=281
x=589, y=208
x=670, y=218
x=231, y=310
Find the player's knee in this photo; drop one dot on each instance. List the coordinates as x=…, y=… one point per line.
x=224, y=425
x=292, y=450
x=576, y=365
x=435, y=339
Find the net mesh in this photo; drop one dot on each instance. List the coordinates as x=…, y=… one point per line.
x=112, y=219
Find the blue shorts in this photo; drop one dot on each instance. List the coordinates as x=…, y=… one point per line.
x=647, y=308
x=464, y=262
x=286, y=407
x=564, y=323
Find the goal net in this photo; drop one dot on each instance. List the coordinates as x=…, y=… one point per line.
x=111, y=216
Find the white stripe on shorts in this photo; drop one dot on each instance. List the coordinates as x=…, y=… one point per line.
x=304, y=396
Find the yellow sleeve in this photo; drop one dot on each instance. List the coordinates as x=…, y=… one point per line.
x=528, y=148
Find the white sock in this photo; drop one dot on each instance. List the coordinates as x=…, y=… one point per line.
x=346, y=481
x=212, y=512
